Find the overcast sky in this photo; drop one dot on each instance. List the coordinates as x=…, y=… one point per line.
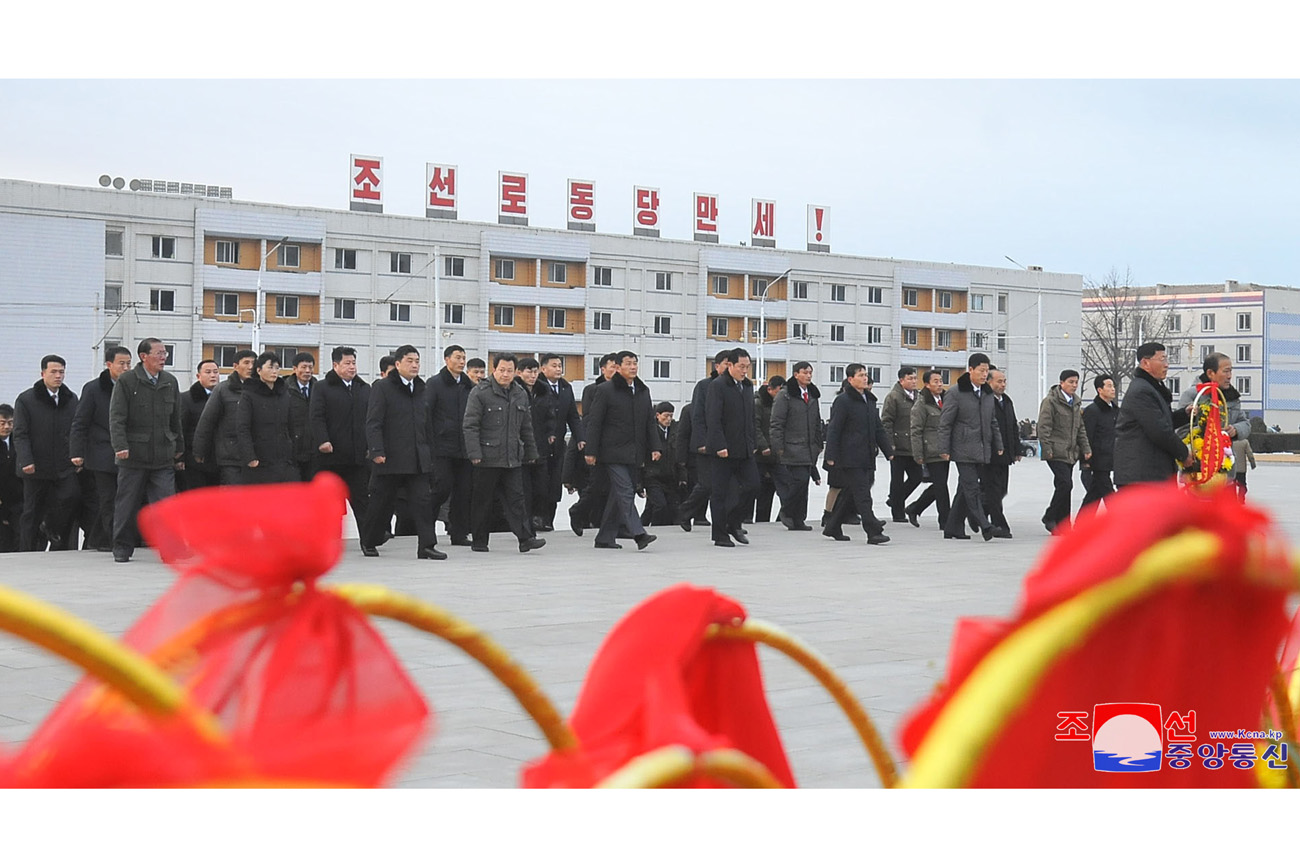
x=1181, y=181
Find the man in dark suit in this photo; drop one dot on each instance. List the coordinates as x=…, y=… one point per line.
x=302, y=382
x=698, y=499
x=453, y=477
x=998, y=473
x=11, y=486
x=621, y=435
x=591, y=500
x=207, y=375
x=566, y=416
x=398, y=433
x=731, y=442
x=42, y=421
x=852, y=437
x=91, y=450
x=338, y=424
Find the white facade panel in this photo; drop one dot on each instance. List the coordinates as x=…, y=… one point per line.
x=932, y=279
x=240, y=223
x=537, y=246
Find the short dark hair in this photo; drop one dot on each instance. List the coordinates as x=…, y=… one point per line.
x=476, y=364
x=905, y=371
x=624, y=355
x=852, y=370
x=736, y=354
x=146, y=345
x=340, y=352
x=1067, y=374
x=402, y=351
x=386, y=362
x=1100, y=381
x=111, y=353
x=526, y=363
x=1148, y=350
x=993, y=367
x=606, y=358
x=930, y=374
x=51, y=359
x=503, y=357
x=776, y=382
x=976, y=359
x=244, y=353
x=204, y=363
x=447, y=352
x=721, y=356
x=548, y=357
x=1213, y=362
x=6, y=411
x=265, y=358
x=301, y=357
x=800, y=365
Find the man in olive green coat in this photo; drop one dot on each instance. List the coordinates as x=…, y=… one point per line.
x=896, y=417
x=1063, y=440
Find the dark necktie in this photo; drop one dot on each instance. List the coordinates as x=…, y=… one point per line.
x=304, y=391
x=56, y=401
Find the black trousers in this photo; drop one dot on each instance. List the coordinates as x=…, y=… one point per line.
x=904, y=477
x=697, y=501
x=269, y=473
x=100, y=535
x=52, y=501
x=306, y=469
x=134, y=488
x=734, y=481
x=1097, y=486
x=10, y=520
x=357, y=478
x=792, y=488
x=936, y=492
x=997, y=477
x=590, y=506
x=662, y=499
x=383, y=497
x=546, y=504
x=193, y=478
x=761, y=507
x=493, y=484
x=855, y=495
x=968, y=502
x=231, y=475
x=534, y=492
x=1058, y=510
x=453, y=482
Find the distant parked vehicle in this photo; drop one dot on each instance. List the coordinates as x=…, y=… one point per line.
x=1028, y=447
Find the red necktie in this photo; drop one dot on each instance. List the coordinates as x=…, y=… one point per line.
x=805, y=397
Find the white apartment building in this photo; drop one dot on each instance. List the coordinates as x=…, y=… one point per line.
x=1257, y=326
x=82, y=267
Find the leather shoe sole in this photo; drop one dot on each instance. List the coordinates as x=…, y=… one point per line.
x=643, y=540
x=959, y=535
x=431, y=553
x=369, y=551
x=479, y=548
x=837, y=536
x=878, y=539
x=723, y=542
x=608, y=545
x=685, y=525
x=741, y=537
x=912, y=518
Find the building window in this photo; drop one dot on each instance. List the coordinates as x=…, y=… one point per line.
x=721, y=284
x=765, y=324
x=1243, y=321
x=977, y=303
x=559, y=272
x=164, y=248
x=663, y=281
x=909, y=337
x=602, y=322
x=838, y=292
x=171, y=355
x=718, y=327
x=875, y=334
x=284, y=354
x=226, y=304
x=286, y=306
x=399, y=312
x=1243, y=384
x=981, y=339
x=663, y=370
x=945, y=300
x=345, y=308
x=801, y=290
x=595, y=370
x=289, y=256
x=663, y=324
x=875, y=295
x=112, y=297
x=799, y=331
x=503, y=316
x=113, y=242
x=504, y=269
x=399, y=263
x=837, y=374
x=1207, y=322
x=227, y=252
x=910, y=298
x=945, y=376
x=602, y=276
x=1206, y=351
x=345, y=260
x=224, y=355
x=1002, y=341
x=873, y=373
x=453, y=266
x=1176, y=322
x=453, y=314
x=555, y=319
x=1243, y=353
x=837, y=333
x=1174, y=384
x=1174, y=355
x=162, y=301
x=943, y=339
x=1002, y=302
x=757, y=288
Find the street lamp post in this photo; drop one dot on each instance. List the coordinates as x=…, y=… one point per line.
x=1042, y=334
x=260, y=313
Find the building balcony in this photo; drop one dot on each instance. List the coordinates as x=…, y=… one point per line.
x=534, y=296
x=273, y=282
x=513, y=341
x=923, y=319
x=228, y=332
x=924, y=358
x=736, y=307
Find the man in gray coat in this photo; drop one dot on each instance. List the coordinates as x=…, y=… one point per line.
x=796, y=437
x=144, y=418
x=499, y=440
x=970, y=438
x=1064, y=440
x=896, y=419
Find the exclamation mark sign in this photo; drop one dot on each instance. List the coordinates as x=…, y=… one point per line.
x=817, y=214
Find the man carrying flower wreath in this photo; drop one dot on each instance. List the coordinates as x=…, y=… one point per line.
x=1217, y=369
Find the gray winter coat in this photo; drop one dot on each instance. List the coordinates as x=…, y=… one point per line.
x=145, y=419
x=1061, y=433
x=967, y=432
x=796, y=433
x=896, y=418
x=498, y=426
x=925, y=428
x=1237, y=416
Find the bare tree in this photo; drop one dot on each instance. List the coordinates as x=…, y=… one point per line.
x=1117, y=318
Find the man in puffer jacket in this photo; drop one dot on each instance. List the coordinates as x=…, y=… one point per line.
x=1064, y=440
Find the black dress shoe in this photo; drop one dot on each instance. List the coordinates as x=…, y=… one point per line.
x=575, y=524
x=912, y=516
x=479, y=548
x=999, y=532
x=54, y=537
x=685, y=524
x=947, y=534
x=801, y=527
x=878, y=538
x=643, y=540
x=1049, y=525
x=531, y=544
x=431, y=552
x=987, y=533
x=369, y=550
x=702, y=521
x=119, y=556
x=740, y=536
x=461, y=542
x=608, y=545
x=547, y=527
x=838, y=536
x=723, y=542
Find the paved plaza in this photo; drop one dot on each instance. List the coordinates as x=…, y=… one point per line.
x=882, y=616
